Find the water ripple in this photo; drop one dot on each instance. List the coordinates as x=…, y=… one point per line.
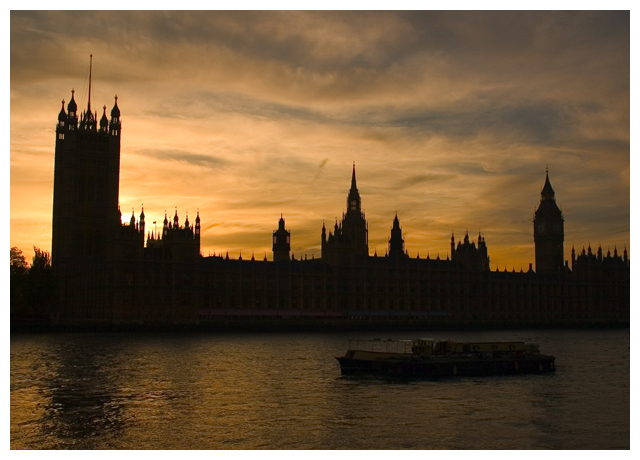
x=252, y=391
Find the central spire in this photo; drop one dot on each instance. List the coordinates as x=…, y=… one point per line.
x=353, y=178
x=353, y=200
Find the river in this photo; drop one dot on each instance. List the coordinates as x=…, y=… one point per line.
x=285, y=391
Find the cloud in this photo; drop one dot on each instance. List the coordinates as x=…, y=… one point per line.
x=196, y=159
x=451, y=118
x=410, y=181
x=319, y=170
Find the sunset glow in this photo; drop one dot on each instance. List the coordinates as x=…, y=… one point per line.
x=451, y=119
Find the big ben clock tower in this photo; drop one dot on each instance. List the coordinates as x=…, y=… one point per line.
x=548, y=232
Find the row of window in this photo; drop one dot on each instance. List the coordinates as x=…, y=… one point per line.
x=114, y=131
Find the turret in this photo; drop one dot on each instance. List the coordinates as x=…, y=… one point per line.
x=141, y=223
x=72, y=112
x=396, y=242
x=281, y=242
x=114, y=123
x=323, y=239
x=104, y=122
x=165, y=225
x=62, y=126
x=62, y=116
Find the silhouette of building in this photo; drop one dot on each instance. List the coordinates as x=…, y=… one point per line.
x=396, y=242
x=281, y=242
x=548, y=232
x=349, y=240
x=114, y=273
x=468, y=255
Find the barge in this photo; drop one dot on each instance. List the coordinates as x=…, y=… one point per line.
x=447, y=358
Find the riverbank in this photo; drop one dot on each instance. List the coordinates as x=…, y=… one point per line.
x=44, y=325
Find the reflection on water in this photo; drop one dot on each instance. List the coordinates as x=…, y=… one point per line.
x=77, y=395
x=254, y=391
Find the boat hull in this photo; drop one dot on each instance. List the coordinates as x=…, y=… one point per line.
x=418, y=367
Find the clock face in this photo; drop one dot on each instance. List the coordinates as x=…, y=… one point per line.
x=556, y=226
x=540, y=227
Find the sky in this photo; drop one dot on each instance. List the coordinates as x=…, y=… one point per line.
x=451, y=118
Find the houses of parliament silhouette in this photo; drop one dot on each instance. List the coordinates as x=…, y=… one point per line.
x=110, y=273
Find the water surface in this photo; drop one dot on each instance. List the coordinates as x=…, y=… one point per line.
x=285, y=391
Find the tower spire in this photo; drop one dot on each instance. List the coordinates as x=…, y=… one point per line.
x=547, y=191
x=90, y=66
x=353, y=199
x=353, y=177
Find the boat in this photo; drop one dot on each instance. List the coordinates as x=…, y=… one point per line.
x=442, y=358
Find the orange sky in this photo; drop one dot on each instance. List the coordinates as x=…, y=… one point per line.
x=450, y=117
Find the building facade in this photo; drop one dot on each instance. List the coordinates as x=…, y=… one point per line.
x=115, y=273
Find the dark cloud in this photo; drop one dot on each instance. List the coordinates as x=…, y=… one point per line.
x=614, y=148
x=420, y=179
x=326, y=42
x=496, y=37
x=534, y=122
x=201, y=105
x=300, y=38
x=319, y=170
x=196, y=159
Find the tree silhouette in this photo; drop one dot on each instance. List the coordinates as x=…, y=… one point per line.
x=40, y=284
x=19, y=269
x=19, y=264
x=41, y=260
x=33, y=288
